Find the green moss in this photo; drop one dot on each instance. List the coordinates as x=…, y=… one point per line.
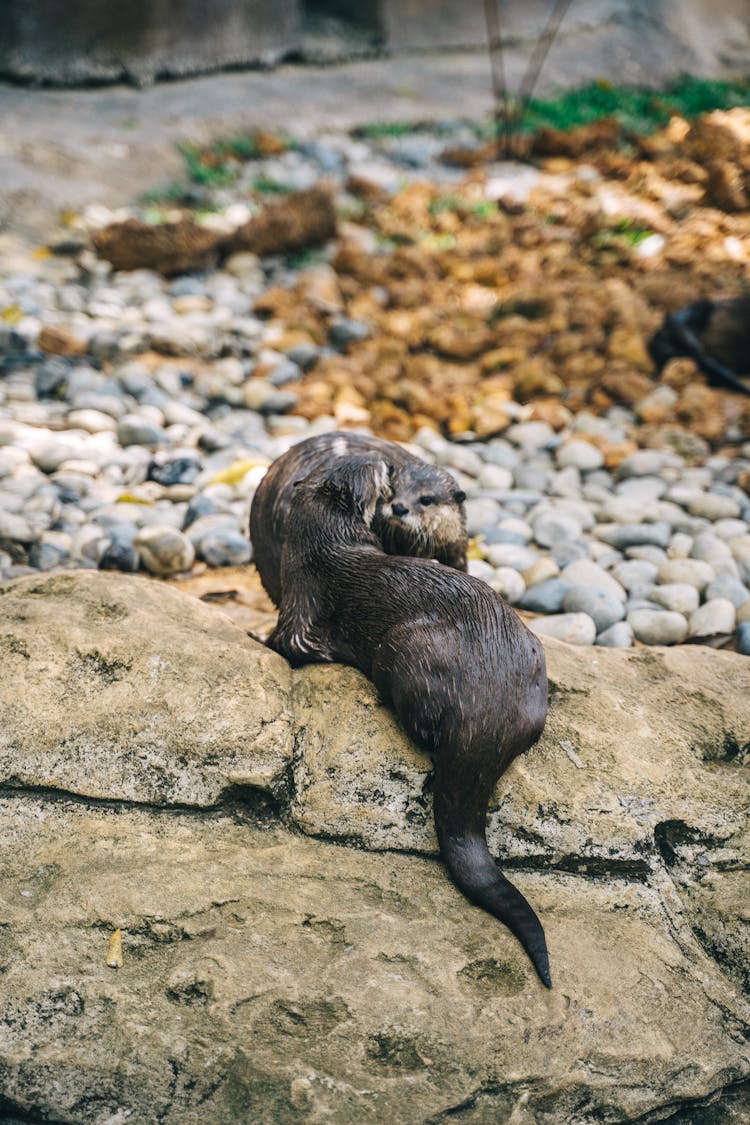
x=639, y=110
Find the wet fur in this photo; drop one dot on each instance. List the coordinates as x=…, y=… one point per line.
x=437, y=530
x=465, y=676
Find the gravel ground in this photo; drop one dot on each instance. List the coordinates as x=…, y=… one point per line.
x=133, y=434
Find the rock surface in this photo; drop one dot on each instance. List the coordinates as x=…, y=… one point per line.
x=273, y=977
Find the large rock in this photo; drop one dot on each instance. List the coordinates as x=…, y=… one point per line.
x=124, y=689
x=274, y=977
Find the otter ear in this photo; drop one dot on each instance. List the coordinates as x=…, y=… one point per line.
x=459, y=496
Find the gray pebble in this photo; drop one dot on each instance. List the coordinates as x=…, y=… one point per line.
x=619, y=635
x=304, y=356
x=545, y=597
x=495, y=477
x=715, y=552
x=584, y=572
x=17, y=528
x=551, y=528
x=225, y=547
x=481, y=513
x=580, y=455
x=677, y=596
x=164, y=550
x=654, y=555
x=345, y=331
x=694, y=572
x=658, y=627
x=601, y=607
x=575, y=628
x=47, y=556
x=713, y=507
x=118, y=554
x=714, y=617
x=530, y=435
x=511, y=554
x=634, y=535
x=726, y=586
x=634, y=573
x=508, y=584
x=743, y=638
x=134, y=429
x=569, y=552
x=645, y=463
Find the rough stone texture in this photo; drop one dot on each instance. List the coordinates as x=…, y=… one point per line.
x=85, y=40
x=273, y=977
x=121, y=688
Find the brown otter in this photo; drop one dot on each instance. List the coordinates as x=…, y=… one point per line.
x=465, y=676
x=423, y=517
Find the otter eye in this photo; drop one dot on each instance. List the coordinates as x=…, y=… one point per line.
x=425, y=501
x=459, y=496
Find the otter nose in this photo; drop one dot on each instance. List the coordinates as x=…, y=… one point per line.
x=399, y=509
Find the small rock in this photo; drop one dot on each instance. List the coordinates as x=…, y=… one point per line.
x=743, y=638
x=726, y=586
x=645, y=463
x=480, y=569
x=584, y=572
x=634, y=573
x=134, y=429
x=619, y=635
x=575, y=628
x=551, y=528
x=164, y=550
x=512, y=555
x=174, y=470
x=540, y=571
x=17, y=529
x=743, y=612
x=545, y=597
x=481, y=513
x=508, y=583
x=658, y=627
x=677, y=596
x=345, y=331
x=601, y=607
x=569, y=552
x=623, y=536
x=694, y=572
x=119, y=555
x=714, y=617
x=579, y=454
x=713, y=507
x=495, y=477
x=709, y=548
x=225, y=547
x=530, y=435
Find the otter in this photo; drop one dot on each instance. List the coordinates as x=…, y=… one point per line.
x=716, y=334
x=424, y=516
x=465, y=676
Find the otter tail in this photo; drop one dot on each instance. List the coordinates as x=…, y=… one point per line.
x=460, y=822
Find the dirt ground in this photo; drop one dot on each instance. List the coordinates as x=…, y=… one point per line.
x=62, y=149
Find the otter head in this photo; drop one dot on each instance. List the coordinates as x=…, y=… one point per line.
x=357, y=485
x=424, y=512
